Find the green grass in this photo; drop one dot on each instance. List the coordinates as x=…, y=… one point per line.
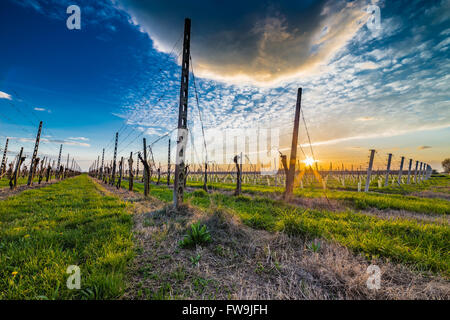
x=358, y=200
x=43, y=231
x=424, y=246
x=20, y=181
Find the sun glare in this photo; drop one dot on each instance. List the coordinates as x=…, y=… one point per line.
x=309, y=161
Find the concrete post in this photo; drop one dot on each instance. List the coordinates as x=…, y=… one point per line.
x=409, y=171
x=180, y=170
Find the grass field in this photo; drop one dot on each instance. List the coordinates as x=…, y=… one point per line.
x=43, y=231
x=359, y=200
x=4, y=183
x=76, y=222
x=423, y=246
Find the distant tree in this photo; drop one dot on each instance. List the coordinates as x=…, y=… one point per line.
x=446, y=165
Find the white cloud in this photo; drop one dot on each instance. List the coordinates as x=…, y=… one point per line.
x=78, y=138
x=4, y=95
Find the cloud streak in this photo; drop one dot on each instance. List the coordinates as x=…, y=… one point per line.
x=4, y=95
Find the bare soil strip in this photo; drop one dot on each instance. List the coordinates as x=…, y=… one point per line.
x=243, y=263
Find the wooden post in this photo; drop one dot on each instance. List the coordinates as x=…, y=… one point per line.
x=20, y=159
x=293, y=158
x=205, y=180
x=119, y=182
x=41, y=171
x=131, y=178
x=399, y=179
x=386, y=181
x=49, y=171
x=35, y=151
x=237, y=192
x=369, y=170
x=158, y=171
x=180, y=170
x=146, y=170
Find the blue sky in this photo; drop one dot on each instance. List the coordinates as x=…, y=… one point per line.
x=386, y=89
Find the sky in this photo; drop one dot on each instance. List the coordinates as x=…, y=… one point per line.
x=367, y=83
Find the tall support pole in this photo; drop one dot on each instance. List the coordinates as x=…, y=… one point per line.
x=415, y=172
x=102, y=169
x=58, y=168
x=180, y=170
x=399, y=180
x=35, y=151
x=369, y=170
x=113, y=175
x=293, y=159
x=168, y=165
x=3, y=168
x=205, y=180
x=388, y=168
x=146, y=170
x=409, y=172
x=119, y=181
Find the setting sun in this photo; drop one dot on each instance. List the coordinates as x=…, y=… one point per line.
x=309, y=161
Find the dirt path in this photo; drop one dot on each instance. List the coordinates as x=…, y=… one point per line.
x=7, y=192
x=243, y=263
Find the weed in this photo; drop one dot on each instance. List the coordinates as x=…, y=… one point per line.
x=197, y=235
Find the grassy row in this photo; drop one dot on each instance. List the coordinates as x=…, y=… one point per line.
x=20, y=181
x=358, y=200
x=424, y=246
x=43, y=231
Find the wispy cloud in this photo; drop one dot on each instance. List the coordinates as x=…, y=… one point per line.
x=57, y=141
x=42, y=110
x=78, y=138
x=4, y=95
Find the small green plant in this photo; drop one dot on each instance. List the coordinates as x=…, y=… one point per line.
x=197, y=235
x=314, y=246
x=195, y=260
